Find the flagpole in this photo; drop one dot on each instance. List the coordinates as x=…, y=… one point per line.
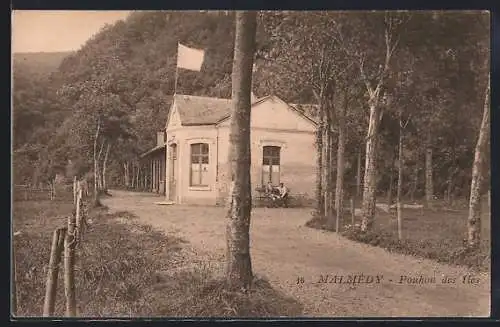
x=176, y=76
x=176, y=70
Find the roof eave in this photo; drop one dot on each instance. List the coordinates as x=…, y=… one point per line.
x=198, y=124
x=153, y=150
x=252, y=104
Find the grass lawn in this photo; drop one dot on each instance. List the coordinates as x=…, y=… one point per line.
x=435, y=234
x=127, y=270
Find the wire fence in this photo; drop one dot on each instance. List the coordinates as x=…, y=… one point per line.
x=57, y=192
x=64, y=242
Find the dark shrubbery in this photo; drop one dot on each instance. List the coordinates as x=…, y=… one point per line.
x=440, y=250
x=294, y=201
x=436, y=235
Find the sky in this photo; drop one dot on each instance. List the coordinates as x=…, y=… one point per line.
x=54, y=31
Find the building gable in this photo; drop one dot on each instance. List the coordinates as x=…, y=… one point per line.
x=267, y=112
x=173, y=120
x=273, y=113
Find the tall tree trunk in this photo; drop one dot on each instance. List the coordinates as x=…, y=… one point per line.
x=96, y=166
x=99, y=179
x=391, y=182
x=339, y=185
x=331, y=170
x=370, y=180
x=132, y=176
x=358, y=175
x=320, y=206
x=126, y=174
x=134, y=168
x=478, y=173
x=239, y=267
x=399, y=206
x=99, y=167
x=138, y=173
x=429, y=187
x=451, y=174
x=139, y=177
x=449, y=188
x=414, y=184
x=327, y=175
x=104, y=166
x=324, y=166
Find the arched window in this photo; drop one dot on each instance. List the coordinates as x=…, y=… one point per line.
x=271, y=165
x=199, y=164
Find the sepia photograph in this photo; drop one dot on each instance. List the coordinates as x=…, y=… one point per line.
x=250, y=164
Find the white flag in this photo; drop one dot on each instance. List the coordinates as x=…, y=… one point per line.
x=189, y=58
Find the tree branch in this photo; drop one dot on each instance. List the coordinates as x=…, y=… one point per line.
x=403, y=126
x=365, y=78
x=97, y=135
x=100, y=149
x=381, y=115
x=317, y=96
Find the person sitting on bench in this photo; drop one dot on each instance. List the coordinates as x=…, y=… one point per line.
x=272, y=193
x=269, y=189
x=283, y=195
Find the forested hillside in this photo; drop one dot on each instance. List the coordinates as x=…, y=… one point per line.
x=122, y=80
x=41, y=64
x=31, y=76
x=127, y=70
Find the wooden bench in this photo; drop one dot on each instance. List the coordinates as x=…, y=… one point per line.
x=264, y=199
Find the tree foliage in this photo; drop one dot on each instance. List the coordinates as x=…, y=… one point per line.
x=125, y=75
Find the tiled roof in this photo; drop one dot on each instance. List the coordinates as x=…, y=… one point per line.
x=196, y=110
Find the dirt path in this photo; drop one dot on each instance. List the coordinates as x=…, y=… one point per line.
x=283, y=250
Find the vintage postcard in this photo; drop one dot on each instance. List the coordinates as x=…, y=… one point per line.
x=250, y=164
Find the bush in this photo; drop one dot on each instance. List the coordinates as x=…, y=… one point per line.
x=301, y=201
x=294, y=201
x=443, y=251
x=319, y=222
x=433, y=234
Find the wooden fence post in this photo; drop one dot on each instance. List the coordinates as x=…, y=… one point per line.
x=69, y=266
x=53, y=271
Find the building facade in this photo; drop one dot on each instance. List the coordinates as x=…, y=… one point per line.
x=196, y=143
